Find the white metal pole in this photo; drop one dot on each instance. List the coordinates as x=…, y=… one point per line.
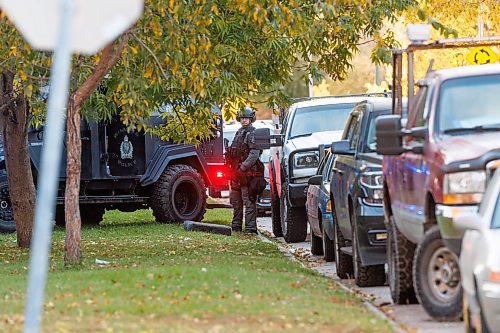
x=310, y=85
x=49, y=173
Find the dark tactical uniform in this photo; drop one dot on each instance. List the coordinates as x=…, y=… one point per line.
x=249, y=167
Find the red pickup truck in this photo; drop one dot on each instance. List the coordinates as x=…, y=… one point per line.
x=435, y=167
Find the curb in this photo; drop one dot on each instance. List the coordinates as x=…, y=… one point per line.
x=266, y=237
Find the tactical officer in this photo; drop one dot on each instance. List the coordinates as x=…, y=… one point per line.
x=246, y=167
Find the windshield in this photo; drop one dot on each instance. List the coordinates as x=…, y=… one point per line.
x=319, y=118
x=470, y=104
x=371, y=145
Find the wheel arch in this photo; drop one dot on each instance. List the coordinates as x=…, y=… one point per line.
x=429, y=211
x=171, y=155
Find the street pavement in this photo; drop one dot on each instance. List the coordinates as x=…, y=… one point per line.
x=410, y=318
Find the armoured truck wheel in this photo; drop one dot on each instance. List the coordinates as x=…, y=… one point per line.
x=343, y=261
x=293, y=220
x=91, y=214
x=364, y=276
x=436, y=276
x=179, y=195
x=275, y=212
x=6, y=214
x=399, y=261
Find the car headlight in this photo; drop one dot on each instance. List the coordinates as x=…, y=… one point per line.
x=372, y=179
x=372, y=182
x=306, y=160
x=464, y=187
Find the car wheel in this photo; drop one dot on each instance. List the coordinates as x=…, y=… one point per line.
x=328, y=248
x=364, y=276
x=7, y=223
x=293, y=220
x=343, y=261
x=178, y=195
x=400, y=253
x=316, y=244
x=437, y=278
x=276, y=212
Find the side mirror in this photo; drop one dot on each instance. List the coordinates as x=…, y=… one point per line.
x=468, y=221
x=262, y=139
x=315, y=180
x=389, y=135
x=342, y=147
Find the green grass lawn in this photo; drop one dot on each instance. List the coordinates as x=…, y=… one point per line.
x=164, y=279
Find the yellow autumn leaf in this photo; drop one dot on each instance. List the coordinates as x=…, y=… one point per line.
x=28, y=91
x=22, y=75
x=256, y=15
x=13, y=51
x=149, y=72
x=130, y=101
x=134, y=50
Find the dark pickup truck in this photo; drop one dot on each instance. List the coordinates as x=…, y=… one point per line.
x=358, y=231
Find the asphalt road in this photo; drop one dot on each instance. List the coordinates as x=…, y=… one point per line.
x=410, y=318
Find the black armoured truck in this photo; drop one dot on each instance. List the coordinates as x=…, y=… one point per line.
x=133, y=170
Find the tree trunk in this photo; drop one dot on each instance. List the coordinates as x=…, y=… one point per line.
x=14, y=129
x=109, y=57
x=72, y=248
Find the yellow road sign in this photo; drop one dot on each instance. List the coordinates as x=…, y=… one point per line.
x=482, y=55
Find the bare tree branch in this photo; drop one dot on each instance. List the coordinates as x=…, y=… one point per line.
x=152, y=54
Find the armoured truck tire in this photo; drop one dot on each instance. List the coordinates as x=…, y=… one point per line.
x=400, y=253
x=7, y=223
x=275, y=212
x=91, y=214
x=178, y=195
x=436, y=277
x=293, y=220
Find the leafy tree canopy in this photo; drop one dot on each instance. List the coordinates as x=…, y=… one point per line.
x=184, y=56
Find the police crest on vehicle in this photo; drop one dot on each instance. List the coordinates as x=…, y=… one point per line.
x=126, y=148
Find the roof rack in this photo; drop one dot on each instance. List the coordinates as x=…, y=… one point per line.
x=375, y=94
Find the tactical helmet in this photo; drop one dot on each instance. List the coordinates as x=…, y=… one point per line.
x=247, y=112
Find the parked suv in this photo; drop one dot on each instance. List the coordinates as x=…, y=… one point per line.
x=132, y=170
x=358, y=230
x=318, y=205
x=307, y=124
x=436, y=167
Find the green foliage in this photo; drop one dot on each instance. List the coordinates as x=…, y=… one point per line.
x=190, y=55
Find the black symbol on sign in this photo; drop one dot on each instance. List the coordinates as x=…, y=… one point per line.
x=477, y=61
